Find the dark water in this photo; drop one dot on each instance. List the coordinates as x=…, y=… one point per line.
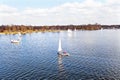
x=94, y=55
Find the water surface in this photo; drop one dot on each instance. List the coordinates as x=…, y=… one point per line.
x=94, y=55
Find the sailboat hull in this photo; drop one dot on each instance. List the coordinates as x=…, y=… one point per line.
x=63, y=53
x=15, y=41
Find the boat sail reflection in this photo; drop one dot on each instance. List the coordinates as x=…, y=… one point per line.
x=62, y=75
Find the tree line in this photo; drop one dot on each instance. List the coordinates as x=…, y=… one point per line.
x=25, y=29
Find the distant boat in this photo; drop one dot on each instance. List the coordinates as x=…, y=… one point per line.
x=19, y=34
x=69, y=30
x=17, y=40
x=75, y=29
x=101, y=28
x=60, y=51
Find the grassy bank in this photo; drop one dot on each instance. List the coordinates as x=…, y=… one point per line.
x=28, y=32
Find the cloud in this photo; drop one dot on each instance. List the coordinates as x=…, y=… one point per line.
x=89, y=11
x=5, y=8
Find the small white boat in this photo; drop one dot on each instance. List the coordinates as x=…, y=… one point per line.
x=75, y=29
x=17, y=40
x=19, y=34
x=60, y=51
x=69, y=31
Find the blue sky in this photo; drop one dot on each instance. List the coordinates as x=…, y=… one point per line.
x=36, y=3
x=21, y=4
x=59, y=12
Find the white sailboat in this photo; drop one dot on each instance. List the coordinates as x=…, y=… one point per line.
x=16, y=40
x=19, y=34
x=69, y=31
x=60, y=51
x=75, y=29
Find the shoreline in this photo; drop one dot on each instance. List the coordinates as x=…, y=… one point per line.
x=24, y=29
x=44, y=31
x=27, y=32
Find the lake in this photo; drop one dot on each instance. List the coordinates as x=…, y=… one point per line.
x=94, y=55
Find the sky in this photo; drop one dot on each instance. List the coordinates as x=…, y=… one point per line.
x=59, y=12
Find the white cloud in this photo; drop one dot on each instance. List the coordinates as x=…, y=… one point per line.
x=89, y=11
x=5, y=8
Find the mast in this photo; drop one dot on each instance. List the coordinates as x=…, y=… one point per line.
x=19, y=36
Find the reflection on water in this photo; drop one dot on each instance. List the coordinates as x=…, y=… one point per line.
x=94, y=55
x=62, y=73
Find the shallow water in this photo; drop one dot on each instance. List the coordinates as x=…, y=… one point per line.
x=94, y=55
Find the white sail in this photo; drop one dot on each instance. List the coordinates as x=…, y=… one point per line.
x=19, y=34
x=59, y=47
x=60, y=51
x=69, y=31
x=75, y=29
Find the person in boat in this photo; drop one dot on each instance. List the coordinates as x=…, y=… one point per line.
x=64, y=52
